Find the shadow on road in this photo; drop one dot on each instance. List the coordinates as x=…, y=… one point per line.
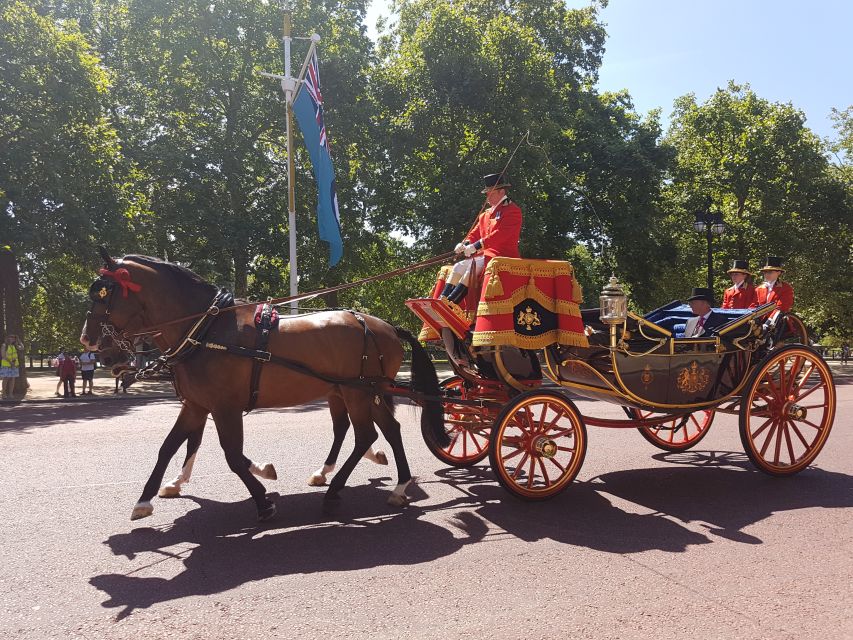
x=24, y=417
x=229, y=553
x=707, y=494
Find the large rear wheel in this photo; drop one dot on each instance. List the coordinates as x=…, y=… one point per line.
x=673, y=435
x=467, y=427
x=538, y=445
x=787, y=410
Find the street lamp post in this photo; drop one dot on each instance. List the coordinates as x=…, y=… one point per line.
x=712, y=225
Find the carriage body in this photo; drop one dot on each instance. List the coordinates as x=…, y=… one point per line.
x=529, y=343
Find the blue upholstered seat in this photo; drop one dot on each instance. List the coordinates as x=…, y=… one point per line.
x=673, y=317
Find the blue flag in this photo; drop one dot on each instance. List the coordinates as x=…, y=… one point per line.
x=308, y=108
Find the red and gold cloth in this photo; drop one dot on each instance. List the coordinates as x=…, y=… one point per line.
x=529, y=304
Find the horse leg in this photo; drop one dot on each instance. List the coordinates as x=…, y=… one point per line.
x=390, y=428
x=229, y=427
x=358, y=407
x=340, y=425
x=173, y=489
x=190, y=420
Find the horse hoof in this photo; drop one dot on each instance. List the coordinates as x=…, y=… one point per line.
x=267, y=472
x=141, y=510
x=398, y=500
x=317, y=480
x=267, y=513
x=170, y=491
x=381, y=458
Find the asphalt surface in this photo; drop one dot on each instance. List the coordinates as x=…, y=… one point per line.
x=644, y=544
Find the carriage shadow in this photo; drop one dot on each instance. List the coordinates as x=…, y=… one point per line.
x=704, y=498
x=219, y=552
x=707, y=496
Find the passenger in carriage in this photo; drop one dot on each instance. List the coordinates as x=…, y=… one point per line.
x=773, y=289
x=495, y=233
x=704, y=320
x=741, y=295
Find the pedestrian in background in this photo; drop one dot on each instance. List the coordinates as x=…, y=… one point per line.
x=845, y=353
x=67, y=370
x=88, y=363
x=10, y=364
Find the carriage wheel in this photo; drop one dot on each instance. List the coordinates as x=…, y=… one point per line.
x=787, y=410
x=538, y=445
x=665, y=436
x=467, y=427
x=794, y=331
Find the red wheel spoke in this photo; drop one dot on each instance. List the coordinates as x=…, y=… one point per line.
x=531, y=472
x=544, y=472
x=769, y=437
x=569, y=449
x=454, y=441
x=813, y=406
x=510, y=456
x=565, y=432
x=512, y=441
x=800, y=435
x=819, y=385
x=778, y=449
x=789, y=443
x=805, y=378
x=520, y=466
x=528, y=420
x=762, y=427
x=465, y=445
x=542, y=416
x=771, y=384
x=552, y=424
x=557, y=464
x=812, y=424
x=476, y=443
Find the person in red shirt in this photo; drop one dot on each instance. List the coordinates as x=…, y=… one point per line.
x=495, y=233
x=741, y=295
x=773, y=289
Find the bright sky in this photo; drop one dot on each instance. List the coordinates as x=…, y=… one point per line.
x=787, y=50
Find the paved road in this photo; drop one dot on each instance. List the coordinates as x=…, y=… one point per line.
x=644, y=544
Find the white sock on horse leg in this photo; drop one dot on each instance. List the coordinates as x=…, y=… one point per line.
x=318, y=478
x=398, y=496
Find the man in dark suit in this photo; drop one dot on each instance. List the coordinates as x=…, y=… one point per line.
x=704, y=320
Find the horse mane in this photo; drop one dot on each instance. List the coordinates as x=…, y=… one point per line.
x=181, y=274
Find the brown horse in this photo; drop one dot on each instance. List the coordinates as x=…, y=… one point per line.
x=312, y=357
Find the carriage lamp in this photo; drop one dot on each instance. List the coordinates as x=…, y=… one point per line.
x=614, y=303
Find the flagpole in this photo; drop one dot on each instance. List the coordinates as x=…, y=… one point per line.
x=287, y=85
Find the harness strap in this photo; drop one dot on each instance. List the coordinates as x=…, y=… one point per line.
x=368, y=334
x=268, y=318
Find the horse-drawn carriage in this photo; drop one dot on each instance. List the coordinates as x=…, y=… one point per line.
x=528, y=343
x=516, y=350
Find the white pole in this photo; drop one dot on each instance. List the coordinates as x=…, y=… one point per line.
x=287, y=85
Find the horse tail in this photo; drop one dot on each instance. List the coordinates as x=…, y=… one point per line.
x=425, y=380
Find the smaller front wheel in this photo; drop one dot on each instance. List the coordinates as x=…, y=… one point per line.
x=538, y=445
x=466, y=426
x=679, y=434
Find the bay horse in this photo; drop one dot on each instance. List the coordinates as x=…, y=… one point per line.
x=309, y=357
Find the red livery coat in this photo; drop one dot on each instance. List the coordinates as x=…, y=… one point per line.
x=742, y=298
x=782, y=294
x=498, y=230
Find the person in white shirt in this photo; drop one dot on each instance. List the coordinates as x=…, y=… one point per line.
x=88, y=362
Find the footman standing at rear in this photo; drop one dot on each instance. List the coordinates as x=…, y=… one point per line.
x=773, y=289
x=741, y=295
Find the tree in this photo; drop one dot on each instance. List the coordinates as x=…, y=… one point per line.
x=60, y=188
x=769, y=176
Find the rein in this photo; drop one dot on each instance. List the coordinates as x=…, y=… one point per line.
x=214, y=310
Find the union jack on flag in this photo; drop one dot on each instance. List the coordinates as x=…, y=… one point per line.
x=312, y=86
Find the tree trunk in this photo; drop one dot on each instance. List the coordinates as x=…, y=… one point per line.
x=241, y=272
x=12, y=320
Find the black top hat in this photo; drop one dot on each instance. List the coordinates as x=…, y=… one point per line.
x=740, y=266
x=774, y=263
x=702, y=293
x=495, y=181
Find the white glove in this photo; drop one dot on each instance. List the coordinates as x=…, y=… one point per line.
x=470, y=250
x=459, y=248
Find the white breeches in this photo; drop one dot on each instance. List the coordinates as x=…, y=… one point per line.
x=465, y=269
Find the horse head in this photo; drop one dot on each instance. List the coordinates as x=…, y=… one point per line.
x=115, y=309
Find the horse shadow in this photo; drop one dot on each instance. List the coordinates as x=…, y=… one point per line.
x=219, y=553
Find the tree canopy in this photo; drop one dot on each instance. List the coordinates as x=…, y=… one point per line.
x=147, y=126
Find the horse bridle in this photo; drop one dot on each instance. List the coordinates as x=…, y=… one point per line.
x=102, y=291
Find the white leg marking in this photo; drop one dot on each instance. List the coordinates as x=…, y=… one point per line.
x=173, y=488
x=378, y=457
x=141, y=510
x=398, y=497
x=266, y=471
x=318, y=478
